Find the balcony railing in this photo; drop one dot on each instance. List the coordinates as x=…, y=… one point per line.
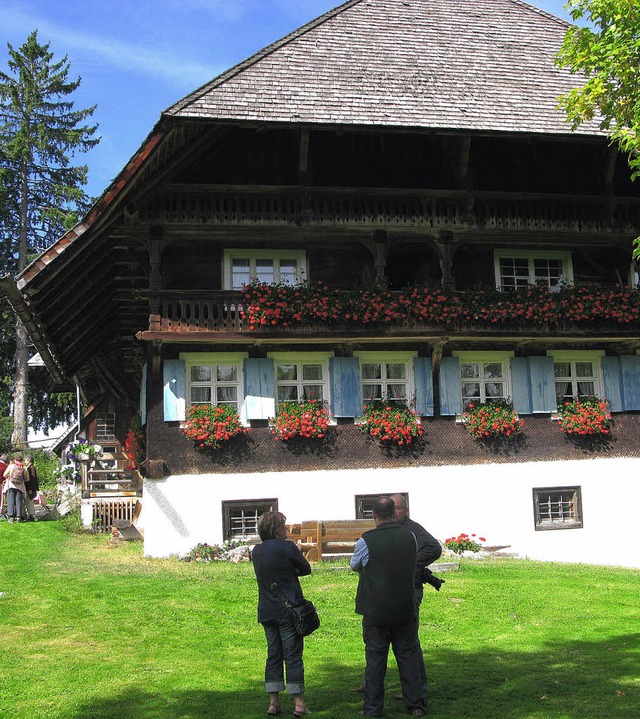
x=197, y=312
x=373, y=207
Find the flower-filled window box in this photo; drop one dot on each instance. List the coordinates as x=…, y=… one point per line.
x=213, y=425
x=307, y=418
x=392, y=423
x=585, y=417
x=492, y=420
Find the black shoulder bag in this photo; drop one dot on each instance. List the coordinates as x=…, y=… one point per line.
x=304, y=616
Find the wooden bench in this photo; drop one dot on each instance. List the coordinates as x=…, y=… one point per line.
x=321, y=538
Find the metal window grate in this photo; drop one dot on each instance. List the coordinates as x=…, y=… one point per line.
x=557, y=508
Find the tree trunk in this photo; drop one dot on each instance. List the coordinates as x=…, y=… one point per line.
x=21, y=377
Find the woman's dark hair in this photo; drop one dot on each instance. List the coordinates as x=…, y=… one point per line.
x=269, y=523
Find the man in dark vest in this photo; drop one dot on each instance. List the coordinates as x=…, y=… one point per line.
x=385, y=558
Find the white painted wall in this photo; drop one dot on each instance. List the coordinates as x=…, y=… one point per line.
x=493, y=500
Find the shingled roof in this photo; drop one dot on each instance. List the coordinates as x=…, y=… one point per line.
x=481, y=65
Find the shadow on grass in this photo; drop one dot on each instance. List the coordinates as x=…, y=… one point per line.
x=571, y=680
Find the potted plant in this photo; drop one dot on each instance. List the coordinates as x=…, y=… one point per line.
x=213, y=425
x=83, y=450
x=306, y=418
x=496, y=419
x=585, y=417
x=391, y=422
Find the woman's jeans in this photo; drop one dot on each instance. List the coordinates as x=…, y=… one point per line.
x=284, y=645
x=15, y=500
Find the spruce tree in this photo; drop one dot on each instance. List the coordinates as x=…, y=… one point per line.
x=41, y=191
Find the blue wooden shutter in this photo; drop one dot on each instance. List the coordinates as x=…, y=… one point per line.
x=520, y=385
x=423, y=378
x=143, y=396
x=344, y=379
x=612, y=377
x=450, y=390
x=543, y=384
x=630, y=369
x=259, y=388
x=175, y=390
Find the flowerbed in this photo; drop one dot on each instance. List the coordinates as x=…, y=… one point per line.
x=585, y=416
x=308, y=418
x=464, y=543
x=213, y=425
x=486, y=420
x=392, y=423
x=310, y=304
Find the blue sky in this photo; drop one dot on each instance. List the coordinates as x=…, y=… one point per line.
x=138, y=57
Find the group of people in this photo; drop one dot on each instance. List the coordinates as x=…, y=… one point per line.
x=20, y=485
x=390, y=560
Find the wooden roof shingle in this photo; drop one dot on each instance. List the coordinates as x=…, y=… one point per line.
x=480, y=65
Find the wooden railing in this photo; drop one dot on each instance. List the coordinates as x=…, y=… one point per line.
x=285, y=205
x=196, y=312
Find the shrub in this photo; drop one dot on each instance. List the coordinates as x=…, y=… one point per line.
x=213, y=425
x=135, y=443
x=204, y=552
x=392, y=423
x=307, y=418
x=464, y=543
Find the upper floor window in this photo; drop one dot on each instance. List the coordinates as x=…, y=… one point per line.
x=301, y=376
x=577, y=374
x=484, y=376
x=386, y=377
x=214, y=378
x=283, y=266
x=516, y=269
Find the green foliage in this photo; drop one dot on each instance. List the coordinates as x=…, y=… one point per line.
x=6, y=428
x=391, y=421
x=213, y=425
x=464, y=543
x=306, y=418
x=584, y=416
x=204, y=552
x=492, y=419
x=47, y=465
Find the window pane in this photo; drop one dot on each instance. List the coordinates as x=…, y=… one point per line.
x=471, y=389
x=469, y=370
x=563, y=390
x=371, y=391
x=396, y=371
x=240, y=273
x=312, y=391
x=494, y=390
x=586, y=389
x=562, y=369
x=584, y=369
x=226, y=395
x=492, y=369
x=548, y=270
x=201, y=373
x=371, y=371
x=287, y=372
x=264, y=271
x=201, y=395
x=312, y=372
x=288, y=272
x=396, y=391
x=287, y=394
x=227, y=373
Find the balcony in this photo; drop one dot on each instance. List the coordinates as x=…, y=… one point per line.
x=267, y=311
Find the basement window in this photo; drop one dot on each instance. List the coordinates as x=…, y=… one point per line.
x=557, y=508
x=364, y=503
x=240, y=517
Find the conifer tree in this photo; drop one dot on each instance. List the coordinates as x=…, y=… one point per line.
x=41, y=191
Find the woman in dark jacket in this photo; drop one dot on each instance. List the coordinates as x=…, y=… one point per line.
x=279, y=560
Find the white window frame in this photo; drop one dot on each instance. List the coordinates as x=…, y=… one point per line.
x=485, y=357
x=302, y=358
x=252, y=255
x=192, y=359
x=573, y=356
x=531, y=256
x=406, y=358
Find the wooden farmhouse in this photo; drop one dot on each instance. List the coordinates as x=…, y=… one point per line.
x=403, y=161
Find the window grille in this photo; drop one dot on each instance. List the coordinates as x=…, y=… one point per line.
x=240, y=517
x=106, y=427
x=364, y=503
x=557, y=508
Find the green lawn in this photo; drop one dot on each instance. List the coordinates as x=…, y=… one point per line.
x=92, y=631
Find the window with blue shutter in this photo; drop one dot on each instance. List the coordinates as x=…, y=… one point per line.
x=423, y=379
x=174, y=392
x=259, y=388
x=344, y=380
x=450, y=390
x=143, y=395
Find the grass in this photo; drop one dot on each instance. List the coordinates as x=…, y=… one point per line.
x=95, y=631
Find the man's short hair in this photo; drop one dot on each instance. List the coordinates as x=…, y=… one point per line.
x=269, y=523
x=384, y=508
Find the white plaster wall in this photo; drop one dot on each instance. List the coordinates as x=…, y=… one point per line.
x=492, y=500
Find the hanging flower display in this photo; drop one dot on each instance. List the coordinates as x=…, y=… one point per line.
x=307, y=418
x=391, y=422
x=585, y=416
x=496, y=419
x=135, y=443
x=213, y=425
